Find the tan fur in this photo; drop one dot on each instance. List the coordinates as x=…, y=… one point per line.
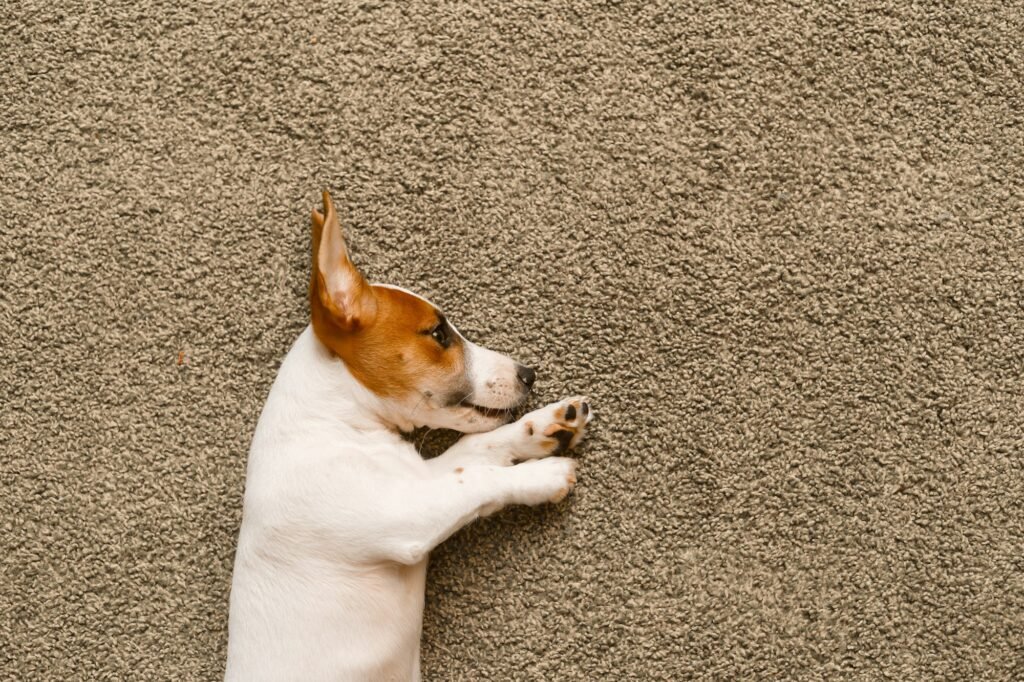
x=380, y=334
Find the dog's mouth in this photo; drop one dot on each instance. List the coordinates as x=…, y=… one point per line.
x=491, y=412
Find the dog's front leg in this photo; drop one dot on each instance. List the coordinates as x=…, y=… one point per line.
x=414, y=517
x=551, y=430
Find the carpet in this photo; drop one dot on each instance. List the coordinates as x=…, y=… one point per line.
x=780, y=245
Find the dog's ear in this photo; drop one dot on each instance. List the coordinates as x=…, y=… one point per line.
x=337, y=285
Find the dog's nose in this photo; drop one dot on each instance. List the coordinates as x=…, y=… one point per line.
x=526, y=375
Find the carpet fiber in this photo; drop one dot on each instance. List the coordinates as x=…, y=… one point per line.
x=779, y=244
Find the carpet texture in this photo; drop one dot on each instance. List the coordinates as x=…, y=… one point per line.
x=780, y=245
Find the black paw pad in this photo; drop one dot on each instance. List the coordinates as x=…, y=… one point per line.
x=570, y=413
x=564, y=437
x=586, y=409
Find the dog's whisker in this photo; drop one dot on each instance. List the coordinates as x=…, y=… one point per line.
x=423, y=399
x=423, y=438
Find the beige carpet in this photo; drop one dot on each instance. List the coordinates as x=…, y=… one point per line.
x=781, y=246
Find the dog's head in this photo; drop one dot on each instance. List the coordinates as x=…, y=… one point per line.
x=403, y=349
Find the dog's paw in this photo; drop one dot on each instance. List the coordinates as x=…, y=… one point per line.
x=552, y=429
x=544, y=480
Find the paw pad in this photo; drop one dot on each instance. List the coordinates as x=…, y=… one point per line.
x=562, y=435
x=552, y=429
x=559, y=426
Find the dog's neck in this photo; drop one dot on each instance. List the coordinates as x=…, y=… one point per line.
x=314, y=385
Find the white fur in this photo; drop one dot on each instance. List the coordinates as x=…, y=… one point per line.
x=492, y=375
x=341, y=512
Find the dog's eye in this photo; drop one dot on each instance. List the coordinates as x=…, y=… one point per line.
x=441, y=334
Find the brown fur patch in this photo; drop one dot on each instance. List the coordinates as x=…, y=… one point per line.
x=380, y=335
x=391, y=355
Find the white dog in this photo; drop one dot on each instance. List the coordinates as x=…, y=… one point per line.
x=340, y=511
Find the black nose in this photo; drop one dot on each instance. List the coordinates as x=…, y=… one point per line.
x=526, y=375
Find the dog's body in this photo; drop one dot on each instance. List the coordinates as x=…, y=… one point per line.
x=340, y=511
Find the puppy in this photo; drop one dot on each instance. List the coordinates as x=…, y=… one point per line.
x=340, y=512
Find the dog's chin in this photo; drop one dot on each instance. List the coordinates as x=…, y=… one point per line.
x=475, y=419
x=467, y=417
x=472, y=418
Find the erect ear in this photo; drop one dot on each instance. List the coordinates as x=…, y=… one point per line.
x=342, y=290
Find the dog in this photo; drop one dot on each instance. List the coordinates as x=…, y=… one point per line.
x=340, y=511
